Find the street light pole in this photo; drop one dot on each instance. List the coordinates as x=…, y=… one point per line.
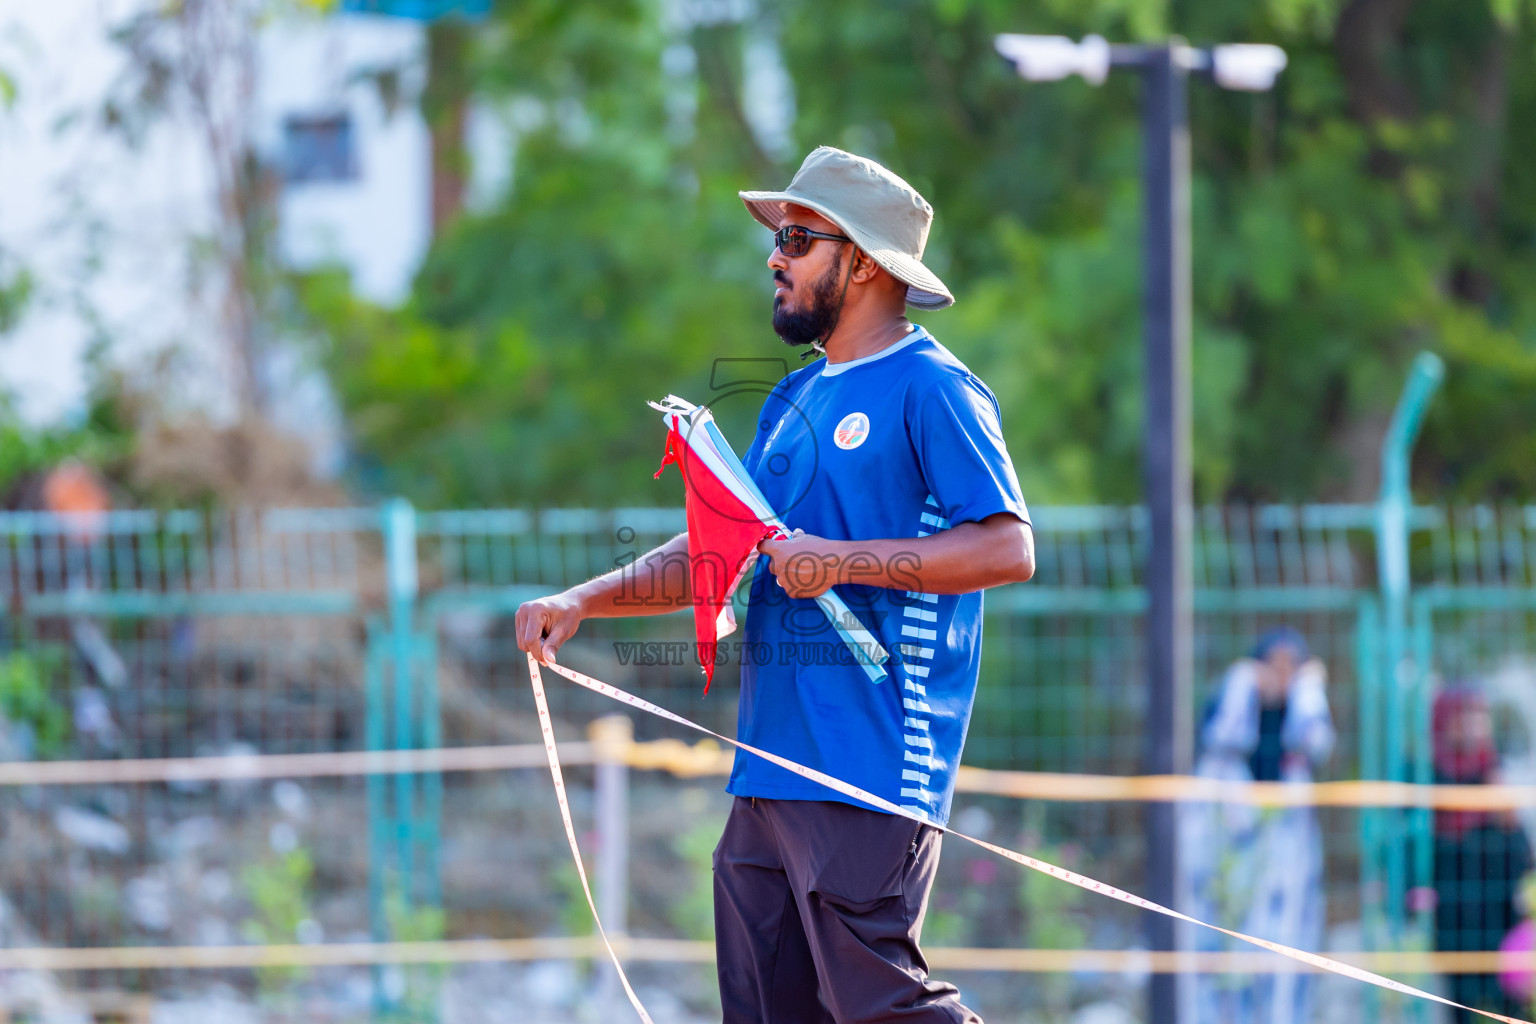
x=1166, y=457
x=1166, y=467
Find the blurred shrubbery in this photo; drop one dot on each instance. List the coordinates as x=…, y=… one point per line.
x=102, y=438
x=26, y=679
x=1380, y=201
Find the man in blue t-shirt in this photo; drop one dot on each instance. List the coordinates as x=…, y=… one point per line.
x=887, y=458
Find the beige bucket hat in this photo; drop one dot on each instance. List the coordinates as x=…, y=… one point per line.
x=881, y=213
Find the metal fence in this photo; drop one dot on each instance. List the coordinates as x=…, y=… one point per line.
x=140, y=634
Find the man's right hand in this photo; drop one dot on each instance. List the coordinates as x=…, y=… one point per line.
x=545, y=624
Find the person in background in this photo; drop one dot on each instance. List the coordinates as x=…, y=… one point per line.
x=1480, y=856
x=1254, y=869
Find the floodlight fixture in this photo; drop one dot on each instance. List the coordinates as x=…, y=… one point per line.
x=1247, y=67
x=1052, y=58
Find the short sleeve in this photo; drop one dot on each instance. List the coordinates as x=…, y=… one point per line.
x=958, y=436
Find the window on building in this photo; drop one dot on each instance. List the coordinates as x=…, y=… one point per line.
x=319, y=149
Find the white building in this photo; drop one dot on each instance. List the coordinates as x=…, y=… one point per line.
x=108, y=230
x=357, y=175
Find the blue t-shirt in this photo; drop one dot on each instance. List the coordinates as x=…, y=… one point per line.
x=902, y=443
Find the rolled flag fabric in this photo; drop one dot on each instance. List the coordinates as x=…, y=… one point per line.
x=722, y=542
x=727, y=517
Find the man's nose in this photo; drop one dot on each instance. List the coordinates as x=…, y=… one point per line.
x=777, y=260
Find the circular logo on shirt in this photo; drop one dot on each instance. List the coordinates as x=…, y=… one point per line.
x=852, y=431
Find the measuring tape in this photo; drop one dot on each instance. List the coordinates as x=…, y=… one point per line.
x=547, y=728
x=864, y=796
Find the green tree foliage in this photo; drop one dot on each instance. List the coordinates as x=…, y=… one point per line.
x=1380, y=201
x=613, y=274
x=15, y=290
x=15, y=281
x=279, y=893
x=26, y=681
x=102, y=438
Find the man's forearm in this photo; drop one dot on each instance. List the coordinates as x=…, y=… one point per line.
x=655, y=583
x=967, y=558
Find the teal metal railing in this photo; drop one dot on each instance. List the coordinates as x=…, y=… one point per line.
x=299, y=630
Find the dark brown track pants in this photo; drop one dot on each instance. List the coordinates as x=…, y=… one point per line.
x=818, y=910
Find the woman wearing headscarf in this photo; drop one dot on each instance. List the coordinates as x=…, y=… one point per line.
x=1480, y=856
x=1255, y=869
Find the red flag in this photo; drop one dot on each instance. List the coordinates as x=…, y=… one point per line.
x=723, y=532
x=727, y=517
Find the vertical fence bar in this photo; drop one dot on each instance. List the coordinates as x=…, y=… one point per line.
x=400, y=562
x=1393, y=508
x=403, y=811
x=1422, y=834
x=431, y=731
x=611, y=735
x=1372, y=891
x=1401, y=678
x=379, y=828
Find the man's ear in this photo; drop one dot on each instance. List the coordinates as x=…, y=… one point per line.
x=864, y=267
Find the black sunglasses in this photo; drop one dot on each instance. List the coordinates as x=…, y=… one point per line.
x=794, y=240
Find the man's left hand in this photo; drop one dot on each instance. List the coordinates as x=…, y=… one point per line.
x=804, y=564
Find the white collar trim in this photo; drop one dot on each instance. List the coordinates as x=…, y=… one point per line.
x=833, y=369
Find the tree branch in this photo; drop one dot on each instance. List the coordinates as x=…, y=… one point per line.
x=1367, y=33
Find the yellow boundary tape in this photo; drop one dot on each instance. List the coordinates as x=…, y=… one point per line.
x=647, y=950
x=708, y=758
x=864, y=796
x=280, y=766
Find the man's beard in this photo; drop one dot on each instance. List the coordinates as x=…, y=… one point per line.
x=819, y=317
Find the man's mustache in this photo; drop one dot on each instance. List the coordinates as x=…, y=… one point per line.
x=781, y=278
